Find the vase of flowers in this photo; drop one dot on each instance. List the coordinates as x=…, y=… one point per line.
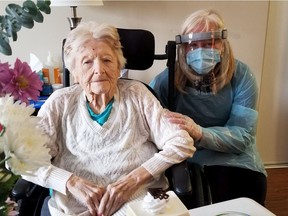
x=22, y=142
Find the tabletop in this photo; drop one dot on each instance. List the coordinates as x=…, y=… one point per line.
x=236, y=207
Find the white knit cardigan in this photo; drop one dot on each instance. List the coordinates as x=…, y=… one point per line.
x=135, y=134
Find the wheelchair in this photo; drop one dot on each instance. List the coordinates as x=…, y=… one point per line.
x=188, y=181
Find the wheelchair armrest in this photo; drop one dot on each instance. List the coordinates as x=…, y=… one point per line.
x=22, y=189
x=180, y=179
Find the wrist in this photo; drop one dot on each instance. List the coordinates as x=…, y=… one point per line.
x=71, y=181
x=141, y=176
x=198, y=134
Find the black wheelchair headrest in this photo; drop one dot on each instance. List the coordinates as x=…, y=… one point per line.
x=138, y=48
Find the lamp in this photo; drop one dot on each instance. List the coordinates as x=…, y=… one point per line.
x=74, y=20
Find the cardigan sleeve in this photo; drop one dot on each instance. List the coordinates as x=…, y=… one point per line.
x=50, y=176
x=174, y=144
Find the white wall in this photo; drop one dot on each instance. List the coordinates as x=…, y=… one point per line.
x=163, y=18
x=246, y=22
x=273, y=107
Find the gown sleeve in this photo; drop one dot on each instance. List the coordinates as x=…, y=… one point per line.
x=240, y=129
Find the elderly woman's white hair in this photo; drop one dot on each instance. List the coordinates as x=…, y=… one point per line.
x=87, y=31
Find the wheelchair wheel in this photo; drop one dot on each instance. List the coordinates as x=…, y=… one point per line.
x=201, y=190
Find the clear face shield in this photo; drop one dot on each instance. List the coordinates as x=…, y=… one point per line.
x=200, y=36
x=202, y=49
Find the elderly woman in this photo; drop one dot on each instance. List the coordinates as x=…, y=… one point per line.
x=109, y=138
x=216, y=97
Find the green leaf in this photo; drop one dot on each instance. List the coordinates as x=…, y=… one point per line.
x=7, y=182
x=44, y=6
x=30, y=8
x=39, y=17
x=3, y=210
x=12, y=27
x=17, y=17
x=27, y=20
x=2, y=23
x=13, y=23
x=14, y=11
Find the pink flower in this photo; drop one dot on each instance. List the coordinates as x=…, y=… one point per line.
x=4, y=76
x=20, y=82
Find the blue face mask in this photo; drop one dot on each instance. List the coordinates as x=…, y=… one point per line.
x=203, y=60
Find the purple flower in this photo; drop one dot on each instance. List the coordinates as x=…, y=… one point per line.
x=4, y=76
x=20, y=82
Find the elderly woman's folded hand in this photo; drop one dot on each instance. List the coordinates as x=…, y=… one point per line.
x=86, y=192
x=119, y=192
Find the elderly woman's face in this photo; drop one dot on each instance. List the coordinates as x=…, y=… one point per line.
x=96, y=68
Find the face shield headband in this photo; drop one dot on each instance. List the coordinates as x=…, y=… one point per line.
x=197, y=36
